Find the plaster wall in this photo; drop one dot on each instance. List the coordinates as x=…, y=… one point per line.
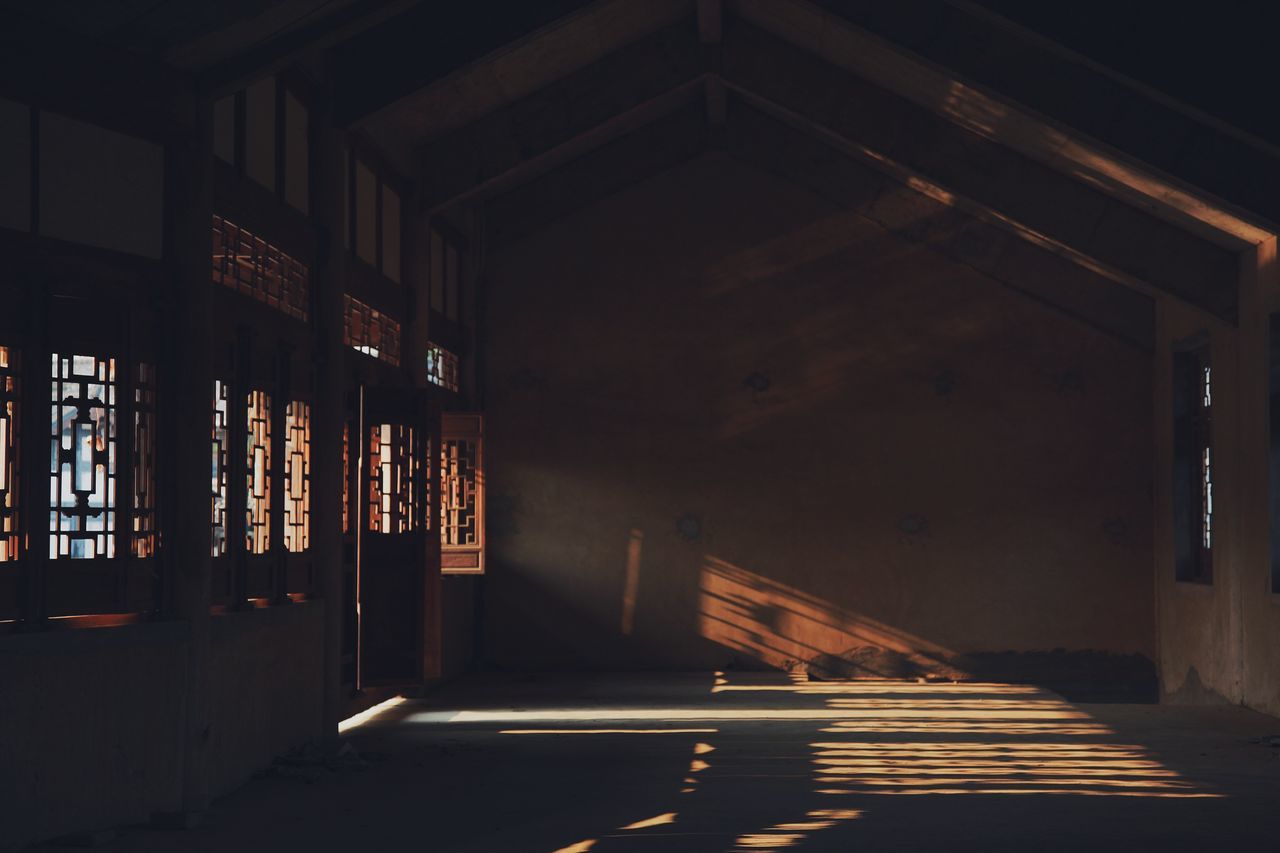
x=731, y=424
x=101, y=746
x=459, y=595
x=266, y=686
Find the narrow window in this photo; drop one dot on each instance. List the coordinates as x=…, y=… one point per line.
x=144, y=462
x=1193, y=462
x=452, y=278
x=82, y=517
x=462, y=493
x=297, y=477
x=366, y=214
x=390, y=233
x=437, y=272
x=297, y=166
x=221, y=448
x=224, y=129
x=10, y=539
x=1274, y=429
x=346, y=478
x=258, y=473
x=260, y=132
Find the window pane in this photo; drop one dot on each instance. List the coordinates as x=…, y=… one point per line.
x=1193, y=470
x=297, y=477
x=371, y=332
x=260, y=132
x=442, y=367
x=145, y=537
x=451, y=284
x=297, y=153
x=258, y=473
x=437, y=271
x=224, y=129
x=394, y=472
x=82, y=488
x=366, y=214
x=9, y=421
x=221, y=461
x=256, y=268
x=390, y=233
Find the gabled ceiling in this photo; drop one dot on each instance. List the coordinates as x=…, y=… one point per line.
x=942, y=96
x=486, y=97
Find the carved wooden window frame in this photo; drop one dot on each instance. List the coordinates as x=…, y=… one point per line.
x=462, y=493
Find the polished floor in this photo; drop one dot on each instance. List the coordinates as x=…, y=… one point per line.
x=741, y=762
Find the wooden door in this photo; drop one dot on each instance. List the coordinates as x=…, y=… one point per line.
x=397, y=549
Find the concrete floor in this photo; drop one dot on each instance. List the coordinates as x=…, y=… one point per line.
x=761, y=762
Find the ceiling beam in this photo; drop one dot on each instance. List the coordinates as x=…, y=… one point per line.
x=711, y=35
x=271, y=54
x=842, y=44
x=919, y=211
x=1065, y=208
x=710, y=21
x=610, y=98
x=607, y=169
x=525, y=169
x=494, y=51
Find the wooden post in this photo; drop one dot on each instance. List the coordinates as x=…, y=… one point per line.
x=187, y=384
x=328, y=284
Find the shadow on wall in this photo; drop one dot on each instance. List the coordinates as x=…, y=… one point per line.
x=790, y=629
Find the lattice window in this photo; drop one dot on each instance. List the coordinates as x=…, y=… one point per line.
x=82, y=517
x=257, y=526
x=144, y=462
x=221, y=464
x=394, y=471
x=371, y=332
x=1192, y=483
x=256, y=268
x=459, y=458
x=1206, y=462
x=442, y=367
x=346, y=478
x=462, y=493
x=10, y=539
x=297, y=476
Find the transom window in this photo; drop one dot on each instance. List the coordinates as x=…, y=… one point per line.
x=254, y=267
x=371, y=332
x=442, y=367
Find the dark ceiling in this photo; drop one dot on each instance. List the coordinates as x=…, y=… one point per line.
x=1217, y=57
x=428, y=41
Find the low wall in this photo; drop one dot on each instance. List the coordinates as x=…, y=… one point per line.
x=81, y=714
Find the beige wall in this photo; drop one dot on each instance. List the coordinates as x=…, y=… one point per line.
x=938, y=467
x=1221, y=642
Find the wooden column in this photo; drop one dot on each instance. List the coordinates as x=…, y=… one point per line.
x=186, y=408
x=328, y=283
x=417, y=280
